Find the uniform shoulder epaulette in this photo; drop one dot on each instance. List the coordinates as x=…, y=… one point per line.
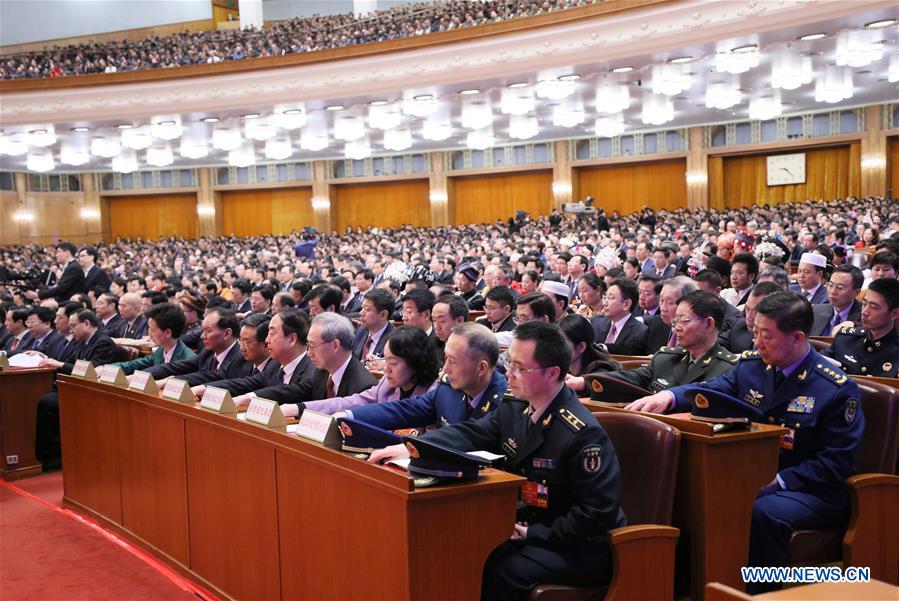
x=728, y=356
x=750, y=355
x=508, y=396
x=574, y=423
x=861, y=332
x=674, y=350
x=831, y=374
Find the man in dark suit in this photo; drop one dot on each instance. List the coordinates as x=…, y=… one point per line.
x=72, y=279
x=4, y=332
x=810, y=278
x=499, y=310
x=94, y=277
x=418, y=304
x=710, y=280
x=240, y=296
x=471, y=387
x=621, y=332
x=660, y=264
x=375, y=326
x=659, y=332
x=134, y=324
x=649, y=288
x=107, y=309
x=364, y=281
x=842, y=306
x=42, y=338
x=287, y=334
x=96, y=347
x=17, y=331
x=220, y=358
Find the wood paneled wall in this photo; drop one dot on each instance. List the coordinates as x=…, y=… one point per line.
x=152, y=216
x=893, y=165
x=626, y=188
x=484, y=199
x=742, y=181
x=261, y=212
x=381, y=205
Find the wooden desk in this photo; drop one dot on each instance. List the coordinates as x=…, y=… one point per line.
x=719, y=476
x=257, y=514
x=20, y=390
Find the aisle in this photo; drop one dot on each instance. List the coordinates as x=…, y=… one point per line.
x=47, y=553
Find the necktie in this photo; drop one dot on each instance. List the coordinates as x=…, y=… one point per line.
x=15, y=344
x=779, y=378
x=672, y=340
x=613, y=331
x=216, y=364
x=330, y=391
x=34, y=344
x=281, y=374
x=833, y=323
x=366, y=347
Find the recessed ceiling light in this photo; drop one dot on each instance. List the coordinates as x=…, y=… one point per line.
x=812, y=37
x=334, y=107
x=518, y=84
x=865, y=72
x=80, y=129
x=572, y=77
x=880, y=24
x=124, y=126
x=293, y=112
x=377, y=103
x=250, y=116
x=627, y=69
x=744, y=49
x=210, y=119
x=423, y=97
x=166, y=123
x=470, y=91
x=38, y=131
x=681, y=60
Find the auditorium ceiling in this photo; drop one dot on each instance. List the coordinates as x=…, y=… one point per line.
x=683, y=65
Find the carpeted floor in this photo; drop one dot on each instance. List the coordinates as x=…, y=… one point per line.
x=46, y=554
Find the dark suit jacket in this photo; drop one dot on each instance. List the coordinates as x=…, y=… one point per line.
x=97, y=277
x=99, y=350
x=824, y=313
x=631, y=340
x=243, y=307
x=114, y=327
x=200, y=368
x=23, y=344
x=731, y=316
x=670, y=271
x=355, y=379
x=820, y=296
x=507, y=325
x=50, y=345
x=136, y=331
x=738, y=338
x=268, y=383
x=4, y=336
x=71, y=282
x=657, y=334
x=354, y=305
x=376, y=349
x=639, y=312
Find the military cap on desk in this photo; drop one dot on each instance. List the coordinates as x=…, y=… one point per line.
x=360, y=437
x=719, y=408
x=430, y=463
x=612, y=391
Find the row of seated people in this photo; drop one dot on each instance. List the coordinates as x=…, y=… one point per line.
x=308, y=34
x=315, y=367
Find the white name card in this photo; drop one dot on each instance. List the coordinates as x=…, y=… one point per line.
x=113, y=374
x=265, y=413
x=320, y=428
x=84, y=369
x=4, y=361
x=178, y=390
x=218, y=400
x=142, y=381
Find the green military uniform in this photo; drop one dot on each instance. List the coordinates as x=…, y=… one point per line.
x=671, y=366
x=859, y=354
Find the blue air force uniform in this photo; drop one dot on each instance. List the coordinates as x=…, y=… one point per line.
x=862, y=355
x=821, y=408
x=570, y=500
x=442, y=405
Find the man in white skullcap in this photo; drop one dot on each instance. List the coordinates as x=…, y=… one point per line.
x=560, y=294
x=810, y=277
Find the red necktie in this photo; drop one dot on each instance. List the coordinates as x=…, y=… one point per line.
x=15, y=344
x=329, y=389
x=366, y=347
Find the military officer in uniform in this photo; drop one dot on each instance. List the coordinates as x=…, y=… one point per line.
x=872, y=350
x=571, y=497
x=471, y=386
x=794, y=387
x=698, y=356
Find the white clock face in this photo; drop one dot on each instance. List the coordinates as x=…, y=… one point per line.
x=786, y=169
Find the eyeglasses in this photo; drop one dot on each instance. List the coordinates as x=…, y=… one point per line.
x=836, y=287
x=518, y=372
x=683, y=322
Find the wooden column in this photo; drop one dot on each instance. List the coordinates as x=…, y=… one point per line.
x=95, y=222
x=874, y=154
x=439, y=191
x=209, y=205
x=321, y=197
x=563, y=179
x=27, y=228
x=697, y=171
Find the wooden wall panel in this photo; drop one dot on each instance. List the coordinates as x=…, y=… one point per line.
x=832, y=172
x=153, y=216
x=626, y=188
x=262, y=212
x=484, y=199
x=381, y=205
x=893, y=165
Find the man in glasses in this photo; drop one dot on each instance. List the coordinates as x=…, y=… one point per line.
x=841, y=306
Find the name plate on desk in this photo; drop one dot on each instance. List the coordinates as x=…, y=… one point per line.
x=218, y=400
x=320, y=428
x=142, y=381
x=113, y=374
x=178, y=390
x=84, y=369
x=4, y=361
x=265, y=413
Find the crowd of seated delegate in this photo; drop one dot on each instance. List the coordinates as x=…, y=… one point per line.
x=293, y=36
x=728, y=319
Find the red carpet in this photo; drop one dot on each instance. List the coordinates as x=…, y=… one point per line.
x=46, y=554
